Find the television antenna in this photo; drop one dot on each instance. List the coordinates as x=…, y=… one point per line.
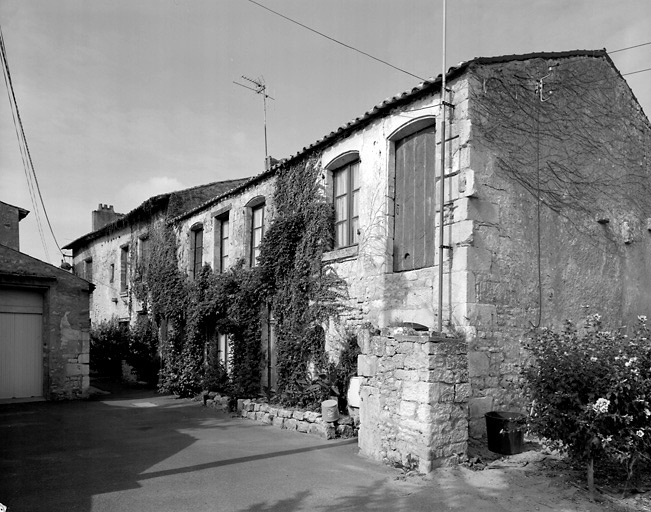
x=260, y=88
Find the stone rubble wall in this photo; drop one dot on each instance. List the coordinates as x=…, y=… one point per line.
x=414, y=408
x=307, y=422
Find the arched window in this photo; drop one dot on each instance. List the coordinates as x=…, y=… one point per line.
x=344, y=170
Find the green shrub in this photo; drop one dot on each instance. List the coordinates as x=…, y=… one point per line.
x=142, y=353
x=109, y=345
x=591, y=393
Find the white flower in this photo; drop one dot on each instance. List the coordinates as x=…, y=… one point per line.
x=601, y=406
x=593, y=359
x=639, y=433
x=630, y=361
x=647, y=412
x=641, y=318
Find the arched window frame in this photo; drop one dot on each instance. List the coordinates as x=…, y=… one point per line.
x=346, y=229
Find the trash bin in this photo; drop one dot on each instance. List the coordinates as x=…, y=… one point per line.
x=505, y=432
x=329, y=410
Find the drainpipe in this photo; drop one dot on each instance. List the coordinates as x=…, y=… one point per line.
x=442, y=183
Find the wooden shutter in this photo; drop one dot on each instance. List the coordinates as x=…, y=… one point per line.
x=414, y=201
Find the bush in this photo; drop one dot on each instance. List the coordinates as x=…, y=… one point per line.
x=142, y=354
x=109, y=344
x=591, y=393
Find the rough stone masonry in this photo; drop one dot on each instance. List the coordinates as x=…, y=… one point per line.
x=414, y=400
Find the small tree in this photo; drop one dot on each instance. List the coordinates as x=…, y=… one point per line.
x=591, y=393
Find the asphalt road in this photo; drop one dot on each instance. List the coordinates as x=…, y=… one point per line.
x=145, y=452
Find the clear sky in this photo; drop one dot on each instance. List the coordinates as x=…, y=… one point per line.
x=124, y=99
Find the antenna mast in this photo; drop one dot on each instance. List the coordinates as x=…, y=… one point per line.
x=260, y=88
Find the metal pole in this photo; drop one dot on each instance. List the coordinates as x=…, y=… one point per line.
x=264, y=98
x=442, y=180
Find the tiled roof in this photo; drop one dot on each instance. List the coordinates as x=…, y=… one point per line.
x=427, y=87
x=176, y=203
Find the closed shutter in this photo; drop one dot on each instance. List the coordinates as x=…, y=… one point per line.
x=21, y=343
x=414, y=201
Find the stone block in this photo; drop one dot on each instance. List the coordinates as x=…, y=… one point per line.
x=462, y=392
x=420, y=392
x=479, y=406
x=364, y=341
x=298, y=415
x=407, y=409
x=73, y=369
x=290, y=424
x=278, y=422
x=478, y=364
x=366, y=365
x=463, y=233
x=317, y=429
x=445, y=393
x=84, y=358
x=285, y=413
x=312, y=416
x=345, y=431
x=303, y=426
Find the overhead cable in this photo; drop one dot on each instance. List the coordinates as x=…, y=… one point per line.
x=24, y=138
x=629, y=47
x=336, y=40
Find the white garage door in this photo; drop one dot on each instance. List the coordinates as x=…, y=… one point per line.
x=21, y=343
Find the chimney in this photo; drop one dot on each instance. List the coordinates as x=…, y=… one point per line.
x=10, y=216
x=104, y=215
x=269, y=162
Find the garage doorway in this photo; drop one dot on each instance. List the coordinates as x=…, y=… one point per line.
x=21, y=343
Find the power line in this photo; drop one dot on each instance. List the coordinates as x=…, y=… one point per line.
x=629, y=47
x=24, y=140
x=336, y=40
x=635, y=72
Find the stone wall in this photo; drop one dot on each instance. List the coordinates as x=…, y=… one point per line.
x=307, y=422
x=66, y=321
x=414, y=399
x=586, y=265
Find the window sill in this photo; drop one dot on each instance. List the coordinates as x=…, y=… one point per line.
x=345, y=253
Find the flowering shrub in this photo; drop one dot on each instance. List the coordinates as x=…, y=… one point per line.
x=591, y=392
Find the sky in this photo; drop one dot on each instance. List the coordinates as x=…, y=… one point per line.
x=123, y=100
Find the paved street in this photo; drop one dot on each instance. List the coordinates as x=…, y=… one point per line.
x=143, y=452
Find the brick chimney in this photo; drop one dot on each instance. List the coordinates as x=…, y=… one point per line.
x=104, y=215
x=10, y=216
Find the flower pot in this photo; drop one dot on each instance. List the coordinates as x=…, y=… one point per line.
x=505, y=432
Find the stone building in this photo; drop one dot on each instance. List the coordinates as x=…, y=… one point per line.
x=44, y=322
x=546, y=212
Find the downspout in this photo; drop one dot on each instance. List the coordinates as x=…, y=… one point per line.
x=442, y=180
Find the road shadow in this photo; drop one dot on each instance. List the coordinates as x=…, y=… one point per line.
x=58, y=455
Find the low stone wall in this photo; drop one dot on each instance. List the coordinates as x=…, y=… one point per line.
x=307, y=422
x=414, y=401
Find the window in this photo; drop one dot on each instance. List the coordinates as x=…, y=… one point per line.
x=143, y=250
x=222, y=242
x=257, y=232
x=112, y=273
x=346, y=202
x=196, y=246
x=124, y=268
x=222, y=350
x=88, y=269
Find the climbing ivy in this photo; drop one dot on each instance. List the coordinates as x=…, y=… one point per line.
x=303, y=293
x=291, y=280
